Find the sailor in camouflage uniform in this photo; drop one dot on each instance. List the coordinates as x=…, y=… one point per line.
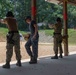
x=13, y=40
x=57, y=38
x=32, y=41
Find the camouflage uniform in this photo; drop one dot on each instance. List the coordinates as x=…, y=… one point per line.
x=57, y=37
x=13, y=40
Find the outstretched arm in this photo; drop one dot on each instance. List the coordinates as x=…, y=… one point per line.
x=51, y=25
x=3, y=21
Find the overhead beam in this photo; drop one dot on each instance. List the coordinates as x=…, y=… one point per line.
x=73, y=2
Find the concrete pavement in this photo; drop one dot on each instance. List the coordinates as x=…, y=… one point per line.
x=45, y=66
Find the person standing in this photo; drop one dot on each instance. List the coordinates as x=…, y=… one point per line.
x=57, y=38
x=13, y=39
x=32, y=41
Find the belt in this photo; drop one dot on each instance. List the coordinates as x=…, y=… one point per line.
x=13, y=32
x=57, y=33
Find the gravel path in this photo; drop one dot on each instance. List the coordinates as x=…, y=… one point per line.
x=44, y=49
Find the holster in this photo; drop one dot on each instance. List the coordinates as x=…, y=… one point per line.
x=60, y=41
x=10, y=38
x=56, y=33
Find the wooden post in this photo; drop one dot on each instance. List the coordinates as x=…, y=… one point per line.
x=65, y=27
x=33, y=8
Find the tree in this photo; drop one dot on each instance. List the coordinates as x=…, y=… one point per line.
x=46, y=12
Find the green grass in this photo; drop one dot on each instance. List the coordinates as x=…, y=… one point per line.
x=72, y=36
x=3, y=32
x=71, y=33
x=48, y=32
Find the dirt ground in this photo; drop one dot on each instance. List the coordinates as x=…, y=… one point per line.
x=44, y=49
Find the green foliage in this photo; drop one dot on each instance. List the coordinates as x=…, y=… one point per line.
x=46, y=12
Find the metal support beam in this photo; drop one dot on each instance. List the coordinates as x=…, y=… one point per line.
x=65, y=28
x=33, y=8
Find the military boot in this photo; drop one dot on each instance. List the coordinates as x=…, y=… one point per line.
x=61, y=56
x=7, y=65
x=54, y=57
x=33, y=60
x=18, y=63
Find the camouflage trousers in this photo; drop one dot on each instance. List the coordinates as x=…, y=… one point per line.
x=57, y=44
x=34, y=43
x=13, y=41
